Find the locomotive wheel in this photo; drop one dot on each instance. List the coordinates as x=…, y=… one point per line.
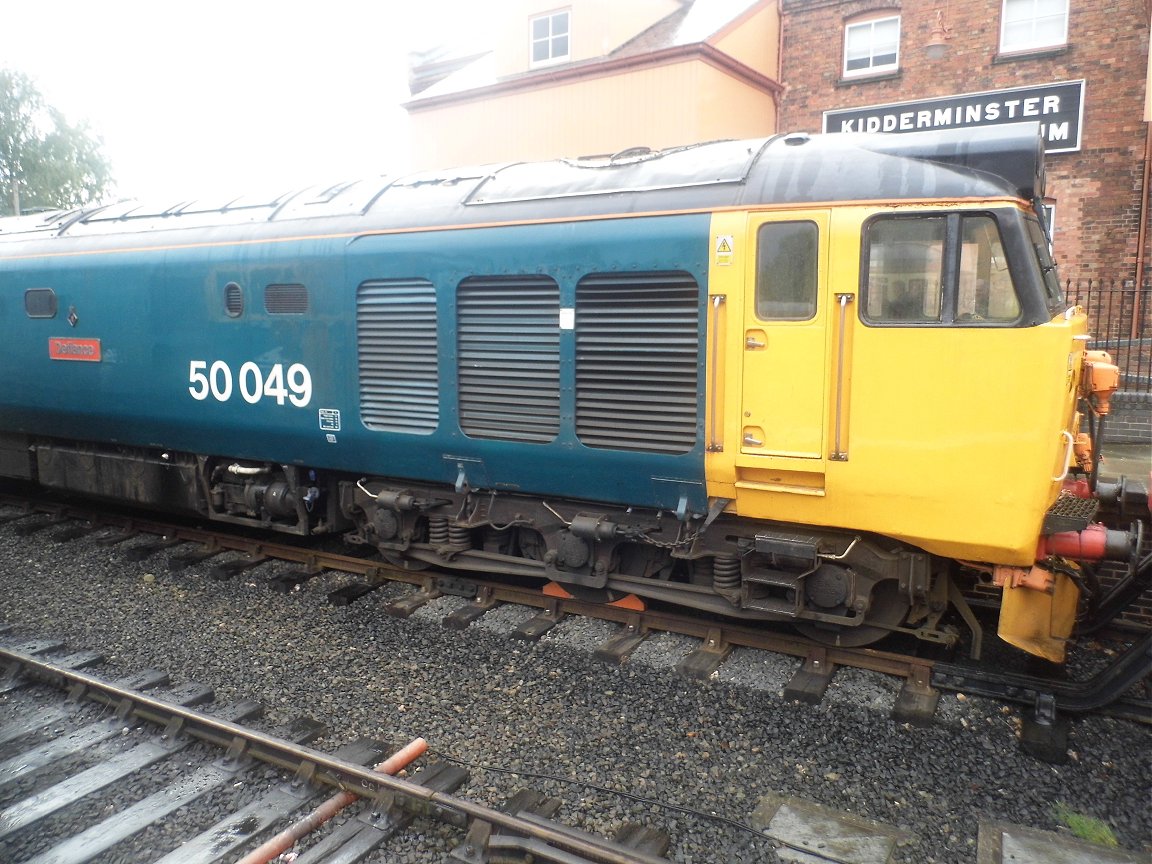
x=888, y=607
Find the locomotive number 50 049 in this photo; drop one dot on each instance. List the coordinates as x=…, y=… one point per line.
x=216, y=380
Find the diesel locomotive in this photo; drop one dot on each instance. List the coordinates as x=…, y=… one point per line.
x=823, y=380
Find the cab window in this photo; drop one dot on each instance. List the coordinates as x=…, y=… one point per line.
x=937, y=270
x=985, y=291
x=786, y=271
x=905, y=270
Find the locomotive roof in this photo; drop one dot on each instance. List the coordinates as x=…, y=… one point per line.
x=784, y=169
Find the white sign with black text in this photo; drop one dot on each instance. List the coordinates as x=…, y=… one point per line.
x=1059, y=108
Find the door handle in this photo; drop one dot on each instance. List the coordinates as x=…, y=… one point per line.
x=751, y=441
x=753, y=342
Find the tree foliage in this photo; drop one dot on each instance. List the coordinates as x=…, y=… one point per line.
x=45, y=162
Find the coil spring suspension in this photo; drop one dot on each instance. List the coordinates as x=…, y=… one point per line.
x=460, y=538
x=438, y=531
x=726, y=574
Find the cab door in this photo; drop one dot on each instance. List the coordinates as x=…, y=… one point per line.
x=784, y=399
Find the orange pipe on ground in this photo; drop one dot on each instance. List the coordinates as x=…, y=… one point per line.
x=283, y=841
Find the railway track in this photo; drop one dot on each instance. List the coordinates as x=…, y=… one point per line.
x=60, y=758
x=1114, y=688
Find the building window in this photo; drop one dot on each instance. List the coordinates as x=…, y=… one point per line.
x=550, y=38
x=1027, y=25
x=872, y=46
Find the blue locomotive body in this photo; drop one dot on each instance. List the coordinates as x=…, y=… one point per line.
x=274, y=377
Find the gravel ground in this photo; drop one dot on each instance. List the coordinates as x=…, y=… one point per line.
x=550, y=708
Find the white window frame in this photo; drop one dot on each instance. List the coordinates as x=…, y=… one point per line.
x=1023, y=11
x=548, y=40
x=872, y=68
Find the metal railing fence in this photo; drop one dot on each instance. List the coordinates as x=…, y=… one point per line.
x=1120, y=322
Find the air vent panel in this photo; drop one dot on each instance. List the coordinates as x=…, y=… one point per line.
x=638, y=361
x=286, y=299
x=233, y=300
x=508, y=336
x=397, y=349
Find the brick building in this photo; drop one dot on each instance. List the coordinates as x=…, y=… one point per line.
x=1077, y=66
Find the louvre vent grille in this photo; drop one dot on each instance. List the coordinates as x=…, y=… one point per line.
x=396, y=342
x=286, y=299
x=509, y=354
x=637, y=361
x=233, y=300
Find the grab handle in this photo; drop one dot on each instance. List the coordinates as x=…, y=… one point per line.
x=1067, y=455
x=715, y=445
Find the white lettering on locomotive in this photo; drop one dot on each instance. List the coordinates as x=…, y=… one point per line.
x=254, y=384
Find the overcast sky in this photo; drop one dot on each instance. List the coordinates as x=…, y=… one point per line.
x=220, y=96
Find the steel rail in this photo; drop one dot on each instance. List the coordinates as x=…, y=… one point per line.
x=1075, y=696
x=1102, y=689
x=732, y=633
x=314, y=764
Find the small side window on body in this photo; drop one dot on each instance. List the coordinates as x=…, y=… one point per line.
x=40, y=303
x=786, y=259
